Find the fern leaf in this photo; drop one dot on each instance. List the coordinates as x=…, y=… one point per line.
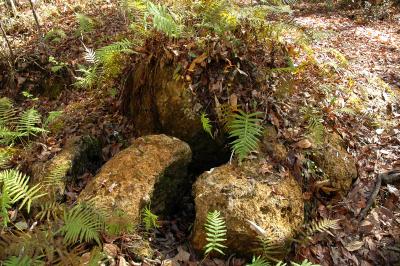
x=150, y=219
x=20, y=261
x=321, y=226
x=85, y=23
x=269, y=249
x=163, y=20
x=246, y=129
x=215, y=233
x=16, y=184
x=205, y=122
x=50, y=210
x=82, y=224
x=53, y=116
x=5, y=205
x=258, y=261
x=7, y=112
x=89, y=78
x=28, y=123
x=90, y=56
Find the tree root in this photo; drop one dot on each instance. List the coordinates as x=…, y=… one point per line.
x=385, y=178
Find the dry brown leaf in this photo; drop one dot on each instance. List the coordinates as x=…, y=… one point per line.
x=303, y=144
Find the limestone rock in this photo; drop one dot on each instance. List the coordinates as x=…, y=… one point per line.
x=270, y=145
x=78, y=155
x=152, y=169
x=273, y=201
x=338, y=165
x=157, y=102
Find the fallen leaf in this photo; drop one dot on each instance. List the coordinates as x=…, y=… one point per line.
x=303, y=144
x=354, y=245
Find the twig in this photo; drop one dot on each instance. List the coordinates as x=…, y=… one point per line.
x=8, y=43
x=36, y=18
x=384, y=178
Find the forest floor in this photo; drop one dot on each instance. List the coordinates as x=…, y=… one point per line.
x=370, y=81
x=372, y=49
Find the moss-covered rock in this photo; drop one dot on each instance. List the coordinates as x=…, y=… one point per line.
x=158, y=102
x=336, y=163
x=152, y=169
x=78, y=155
x=271, y=145
x=271, y=200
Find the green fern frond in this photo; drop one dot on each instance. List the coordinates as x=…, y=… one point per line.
x=205, y=122
x=163, y=20
x=316, y=129
x=52, y=117
x=7, y=112
x=258, y=261
x=215, y=233
x=5, y=157
x=150, y=220
x=85, y=23
x=29, y=122
x=123, y=46
x=269, y=249
x=55, y=178
x=50, y=210
x=17, y=188
x=5, y=205
x=22, y=261
x=246, y=129
x=82, y=223
x=88, y=79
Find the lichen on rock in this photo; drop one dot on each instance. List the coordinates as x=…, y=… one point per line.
x=142, y=174
x=271, y=200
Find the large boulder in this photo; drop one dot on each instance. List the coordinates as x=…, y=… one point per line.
x=153, y=169
x=252, y=191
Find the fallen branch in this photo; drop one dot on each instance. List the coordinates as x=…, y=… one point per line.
x=385, y=178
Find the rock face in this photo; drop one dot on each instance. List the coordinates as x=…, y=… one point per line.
x=152, y=169
x=337, y=164
x=272, y=200
x=78, y=155
x=157, y=102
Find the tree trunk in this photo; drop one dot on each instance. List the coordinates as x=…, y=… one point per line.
x=36, y=18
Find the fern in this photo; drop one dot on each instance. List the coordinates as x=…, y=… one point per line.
x=15, y=184
x=50, y=210
x=269, y=249
x=246, y=129
x=28, y=123
x=258, y=261
x=53, y=116
x=5, y=156
x=90, y=56
x=205, y=122
x=88, y=79
x=163, y=20
x=22, y=261
x=85, y=23
x=7, y=112
x=82, y=224
x=150, y=220
x=321, y=226
x=5, y=205
x=55, y=178
x=215, y=233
